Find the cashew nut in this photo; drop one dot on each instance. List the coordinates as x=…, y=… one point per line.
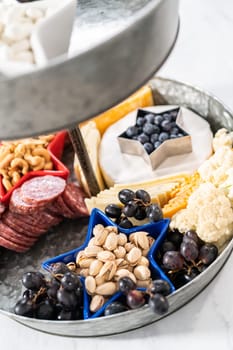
x=39, y=166
x=19, y=150
x=39, y=151
x=15, y=178
x=21, y=164
x=7, y=161
x=48, y=166
x=6, y=183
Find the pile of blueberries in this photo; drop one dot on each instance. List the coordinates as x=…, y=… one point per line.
x=185, y=256
x=134, y=204
x=152, y=129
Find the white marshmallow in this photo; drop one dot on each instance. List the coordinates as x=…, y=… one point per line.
x=34, y=13
x=24, y=56
x=19, y=46
x=17, y=31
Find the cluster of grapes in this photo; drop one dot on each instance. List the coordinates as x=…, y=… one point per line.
x=183, y=257
x=60, y=298
x=152, y=129
x=154, y=296
x=136, y=205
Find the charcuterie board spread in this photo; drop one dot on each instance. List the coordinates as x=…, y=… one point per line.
x=160, y=220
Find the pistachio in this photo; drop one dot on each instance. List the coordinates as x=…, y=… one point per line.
x=151, y=240
x=100, y=237
x=141, y=240
x=85, y=262
x=98, y=229
x=92, y=242
x=119, y=252
x=122, y=239
x=105, y=255
x=108, y=270
x=143, y=284
x=99, y=280
x=142, y=272
x=92, y=251
x=143, y=261
x=95, y=267
x=111, y=241
x=80, y=255
x=121, y=273
x=129, y=246
x=111, y=229
x=122, y=263
x=90, y=284
x=134, y=255
x=84, y=272
x=107, y=288
x=96, y=303
x=145, y=252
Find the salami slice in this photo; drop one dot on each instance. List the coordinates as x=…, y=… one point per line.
x=74, y=198
x=10, y=233
x=62, y=208
x=42, y=219
x=6, y=243
x=42, y=189
x=18, y=205
x=15, y=221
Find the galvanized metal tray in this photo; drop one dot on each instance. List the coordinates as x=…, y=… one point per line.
x=116, y=46
x=71, y=234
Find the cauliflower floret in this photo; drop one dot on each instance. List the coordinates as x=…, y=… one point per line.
x=216, y=167
x=208, y=212
x=222, y=138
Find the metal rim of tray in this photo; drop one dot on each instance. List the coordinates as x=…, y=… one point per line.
x=208, y=106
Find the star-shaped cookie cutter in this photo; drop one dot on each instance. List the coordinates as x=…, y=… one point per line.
x=157, y=230
x=168, y=148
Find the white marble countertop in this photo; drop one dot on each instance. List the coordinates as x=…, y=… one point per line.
x=203, y=57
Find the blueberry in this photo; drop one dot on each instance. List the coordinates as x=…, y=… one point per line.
x=173, y=136
x=158, y=119
x=173, y=114
x=154, y=138
x=149, y=129
x=167, y=117
x=166, y=125
x=163, y=136
x=131, y=131
x=143, y=138
x=140, y=121
x=157, y=144
x=150, y=117
x=175, y=130
x=180, y=134
x=148, y=147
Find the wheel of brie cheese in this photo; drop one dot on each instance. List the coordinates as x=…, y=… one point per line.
x=119, y=167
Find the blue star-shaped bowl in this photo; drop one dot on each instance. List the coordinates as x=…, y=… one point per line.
x=157, y=230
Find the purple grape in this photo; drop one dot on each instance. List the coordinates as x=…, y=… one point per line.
x=192, y=235
x=189, y=251
x=173, y=260
x=126, y=196
x=158, y=304
x=154, y=212
x=33, y=280
x=70, y=281
x=135, y=299
x=113, y=211
x=159, y=286
x=140, y=213
x=144, y=196
x=67, y=299
x=208, y=253
x=125, y=284
x=58, y=268
x=24, y=307
x=125, y=223
x=167, y=246
x=130, y=209
x=114, y=308
x=45, y=310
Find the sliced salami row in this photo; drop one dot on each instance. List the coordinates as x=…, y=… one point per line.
x=35, y=207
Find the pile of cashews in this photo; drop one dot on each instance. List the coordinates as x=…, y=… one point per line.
x=19, y=157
